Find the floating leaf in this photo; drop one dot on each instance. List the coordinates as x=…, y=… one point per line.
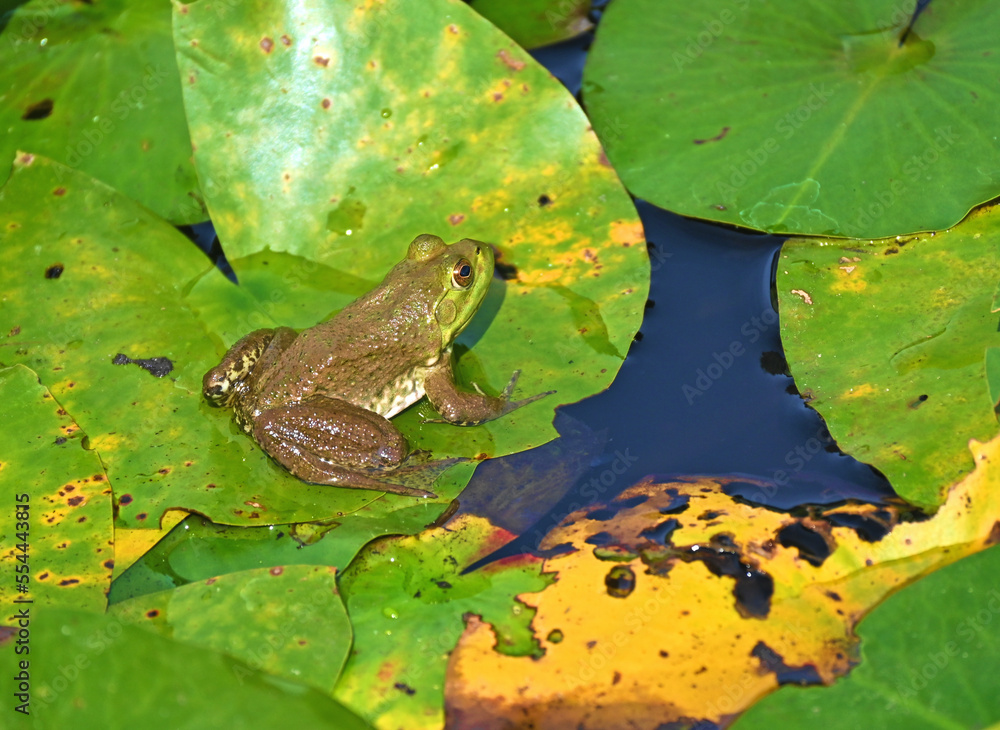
x=95, y=86
x=338, y=133
x=534, y=23
x=164, y=447
x=681, y=604
x=57, y=535
x=286, y=620
x=91, y=670
x=801, y=118
x=929, y=659
x=198, y=549
x=406, y=597
x=905, y=389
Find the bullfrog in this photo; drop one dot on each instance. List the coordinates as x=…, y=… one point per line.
x=319, y=401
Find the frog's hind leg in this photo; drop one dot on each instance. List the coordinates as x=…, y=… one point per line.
x=329, y=441
x=232, y=376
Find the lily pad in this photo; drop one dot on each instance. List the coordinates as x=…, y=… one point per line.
x=285, y=620
x=676, y=603
x=163, y=446
x=801, y=119
x=906, y=387
x=339, y=133
x=929, y=659
x=90, y=670
x=198, y=549
x=534, y=23
x=95, y=86
x=406, y=597
x=58, y=546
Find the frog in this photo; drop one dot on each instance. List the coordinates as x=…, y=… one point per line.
x=319, y=401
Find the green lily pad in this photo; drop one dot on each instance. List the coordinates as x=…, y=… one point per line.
x=930, y=655
x=95, y=86
x=164, y=447
x=407, y=596
x=372, y=126
x=93, y=671
x=887, y=340
x=534, y=23
x=802, y=119
x=58, y=542
x=198, y=549
x=285, y=620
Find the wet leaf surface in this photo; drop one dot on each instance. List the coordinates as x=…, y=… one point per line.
x=64, y=544
x=406, y=597
x=800, y=118
x=680, y=604
x=534, y=23
x=95, y=86
x=285, y=620
x=907, y=389
x=928, y=660
x=96, y=671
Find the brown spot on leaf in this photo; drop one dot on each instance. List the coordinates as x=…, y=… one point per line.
x=716, y=138
x=456, y=218
x=286, y=40
x=165, y=470
x=38, y=110
x=26, y=159
x=125, y=499
x=277, y=570
x=267, y=44
x=14, y=331
x=152, y=613
x=69, y=581
x=510, y=61
x=54, y=271
x=59, y=192
x=109, y=564
x=603, y=159
x=497, y=96
x=141, y=516
x=75, y=501
x=210, y=581
x=321, y=61
x=453, y=29
x=325, y=103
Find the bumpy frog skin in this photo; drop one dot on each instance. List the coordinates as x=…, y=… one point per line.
x=319, y=401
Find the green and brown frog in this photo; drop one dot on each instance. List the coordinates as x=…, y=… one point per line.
x=318, y=401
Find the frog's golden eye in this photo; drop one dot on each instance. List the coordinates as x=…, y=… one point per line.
x=461, y=275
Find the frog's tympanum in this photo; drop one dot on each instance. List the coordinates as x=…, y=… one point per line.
x=318, y=401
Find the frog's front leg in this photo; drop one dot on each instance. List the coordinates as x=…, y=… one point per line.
x=254, y=352
x=469, y=409
x=330, y=441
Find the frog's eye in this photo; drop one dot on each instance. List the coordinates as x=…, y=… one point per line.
x=461, y=275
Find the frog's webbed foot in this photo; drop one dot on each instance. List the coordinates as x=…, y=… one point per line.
x=470, y=409
x=512, y=404
x=328, y=441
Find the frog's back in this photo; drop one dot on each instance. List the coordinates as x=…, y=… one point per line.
x=375, y=363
